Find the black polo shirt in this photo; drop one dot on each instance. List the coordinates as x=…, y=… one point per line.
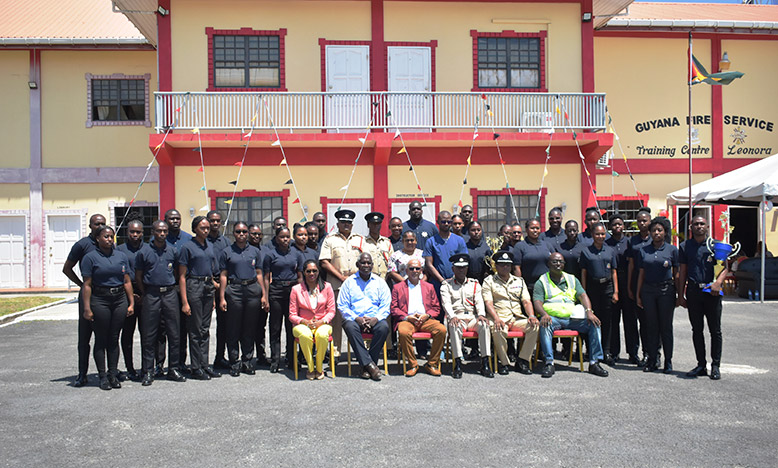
x=179, y=239
x=396, y=244
x=82, y=247
x=218, y=243
x=131, y=254
x=240, y=264
x=304, y=256
x=571, y=254
x=658, y=264
x=158, y=265
x=553, y=240
x=198, y=259
x=620, y=248
x=478, y=268
x=598, y=263
x=106, y=271
x=282, y=265
x=532, y=258
x=698, y=260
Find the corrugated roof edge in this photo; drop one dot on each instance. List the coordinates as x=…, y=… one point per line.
x=693, y=24
x=17, y=41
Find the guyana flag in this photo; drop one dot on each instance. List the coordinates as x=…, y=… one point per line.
x=700, y=75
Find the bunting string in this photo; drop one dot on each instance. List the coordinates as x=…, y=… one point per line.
x=363, y=141
x=568, y=124
x=404, y=149
x=240, y=168
x=545, y=174
x=623, y=155
x=204, y=188
x=496, y=137
x=469, y=161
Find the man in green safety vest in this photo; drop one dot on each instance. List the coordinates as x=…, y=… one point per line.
x=561, y=302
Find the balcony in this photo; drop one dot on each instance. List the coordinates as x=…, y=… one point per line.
x=380, y=110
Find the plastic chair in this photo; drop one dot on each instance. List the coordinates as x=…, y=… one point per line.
x=366, y=337
x=466, y=335
x=572, y=335
x=423, y=336
x=297, y=347
x=512, y=334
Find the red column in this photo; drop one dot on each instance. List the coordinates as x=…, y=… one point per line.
x=377, y=49
x=717, y=114
x=587, y=49
x=381, y=177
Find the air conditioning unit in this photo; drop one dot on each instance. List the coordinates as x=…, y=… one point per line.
x=605, y=160
x=537, y=119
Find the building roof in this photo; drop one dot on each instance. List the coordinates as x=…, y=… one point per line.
x=71, y=22
x=708, y=16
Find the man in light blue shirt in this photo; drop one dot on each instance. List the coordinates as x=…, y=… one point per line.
x=364, y=301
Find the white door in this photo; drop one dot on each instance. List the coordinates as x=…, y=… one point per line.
x=400, y=210
x=347, y=69
x=62, y=232
x=410, y=71
x=13, y=252
x=361, y=209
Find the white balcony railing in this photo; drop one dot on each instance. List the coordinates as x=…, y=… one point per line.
x=354, y=111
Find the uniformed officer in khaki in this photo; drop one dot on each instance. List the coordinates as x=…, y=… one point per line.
x=504, y=296
x=338, y=257
x=378, y=246
x=463, y=304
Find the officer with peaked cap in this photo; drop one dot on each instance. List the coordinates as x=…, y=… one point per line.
x=338, y=257
x=463, y=304
x=379, y=247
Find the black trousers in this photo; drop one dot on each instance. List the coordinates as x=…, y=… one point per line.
x=259, y=334
x=601, y=296
x=128, y=335
x=241, y=321
x=659, y=307
x=354, y=333
x=159, y=308
x=200, y=296
x=180, y=332
x=279, y=315
x=85, y=330
x=704, y=306
x=109, y=314
x=221, y=332
x=624, y=311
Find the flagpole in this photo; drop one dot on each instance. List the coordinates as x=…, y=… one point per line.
x=689, y=125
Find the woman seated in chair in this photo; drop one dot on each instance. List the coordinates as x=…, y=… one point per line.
x=311, y=308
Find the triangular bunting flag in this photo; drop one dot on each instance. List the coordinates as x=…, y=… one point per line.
x=150, y=164
x=468, y=160
x=195, y=130
x=196, y=150
x=202, y=188
x=483, y=96
x=475, y=135
x=616, y=136
x=587, y=172
x=276, y=143
x=495, y=136
x=630, y=176
x=178, y=109
x=288, y=182
x=228, y=202
x=402, y=150
x=206, y=207
x=460, y=204
x=558, y=111
x=233, y=182
x=344, y=187
x=303, y=220
x=639, y=194
x=488, y=107
x=239, y=164
x=362, y=140
x=502, y=161
x=615, y=174
x=140, y=184
x=200, y=169
x=396, y=134
x=548, y=150
x=296, y=200
x=283, y=161
x=132, y=201
x=156, y=148
x=490, y=113
x=464, y=182
x=410, y=168
x=545, y=172
x=418, y=187
x=255, y=117
x=389, y=114
x=507, y=185
x=575, y=135
x=603, y=211
x=248, y=135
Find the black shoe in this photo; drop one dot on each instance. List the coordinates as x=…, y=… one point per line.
x=486, y=371
x=548, y=371
x=597, y=370
x=80, y=381
x=247, y=368
x=158, y=372
x=473, y=355
x=457, y=371
x=643, y=362
x=274, y=367
x=668, y=369
x=175, y=376
x=200, y=374
x=522, y=367
x=121, y=376
x=147, y=379
x=698, y=371
x=715, y=373
x=235, y=371
x=608, y=360
x=212, y=373
x=133, y=375
x=502, y=370
x=634, y=360
x=221, y=363
x=262, y=361
x=104, y=384
x=114, y=381
x=650, y=367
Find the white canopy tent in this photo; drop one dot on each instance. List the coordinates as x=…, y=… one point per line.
x=751, y=185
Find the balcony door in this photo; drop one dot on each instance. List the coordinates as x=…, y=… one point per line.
x=409, y=70
x=347, y=70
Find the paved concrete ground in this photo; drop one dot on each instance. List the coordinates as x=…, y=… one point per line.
x=573, y=419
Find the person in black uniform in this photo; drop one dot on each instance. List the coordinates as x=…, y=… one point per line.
x=696, y=275
x=196, y=270
x=177, y=238
x=396, y=233
x=555, y=234
x=241, y=291
x=300, y=246
x=571, y=249
x=108, y=299
x=321, y=223
x=255, y=239
x=458, y=226
x=656, y=292
x=131, y=248
x=279, y=268
x=255, y=235
x=621, y=309
x=219, y=243
x=635, y=243
x=530, y=256
x=599, y=278
x=467, y=216
x=77, y=252
x=591, y=218
x=313, y=236
x=478, y=250
x=155, y=275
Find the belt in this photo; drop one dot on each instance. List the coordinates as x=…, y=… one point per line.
x=159, y=288
x=243, y=282
x=601, y=280
x=663, y=283
x=699, y=285
x=284, y=283
x=102, y=291
x=200, y=278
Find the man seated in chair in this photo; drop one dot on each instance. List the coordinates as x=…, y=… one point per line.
x=463, y=304
x=364, y=301
x=509, y=308
x=414, y=308
x=555, y=296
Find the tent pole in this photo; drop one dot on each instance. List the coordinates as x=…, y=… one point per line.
x=687, y=234
x=764, y=246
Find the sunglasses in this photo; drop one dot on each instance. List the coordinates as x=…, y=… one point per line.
x=414, y=268
x=241, y=231
x=444, y=222
x=311, y=271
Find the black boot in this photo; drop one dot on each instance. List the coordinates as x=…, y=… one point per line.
x=457, y=372
x=486, y=371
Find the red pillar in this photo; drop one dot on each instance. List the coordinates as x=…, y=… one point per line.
x=381, y=177
x=587, y=49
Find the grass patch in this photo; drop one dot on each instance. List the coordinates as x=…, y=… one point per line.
x=9, y=305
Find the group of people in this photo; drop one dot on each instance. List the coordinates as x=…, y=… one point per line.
x=429, y=281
